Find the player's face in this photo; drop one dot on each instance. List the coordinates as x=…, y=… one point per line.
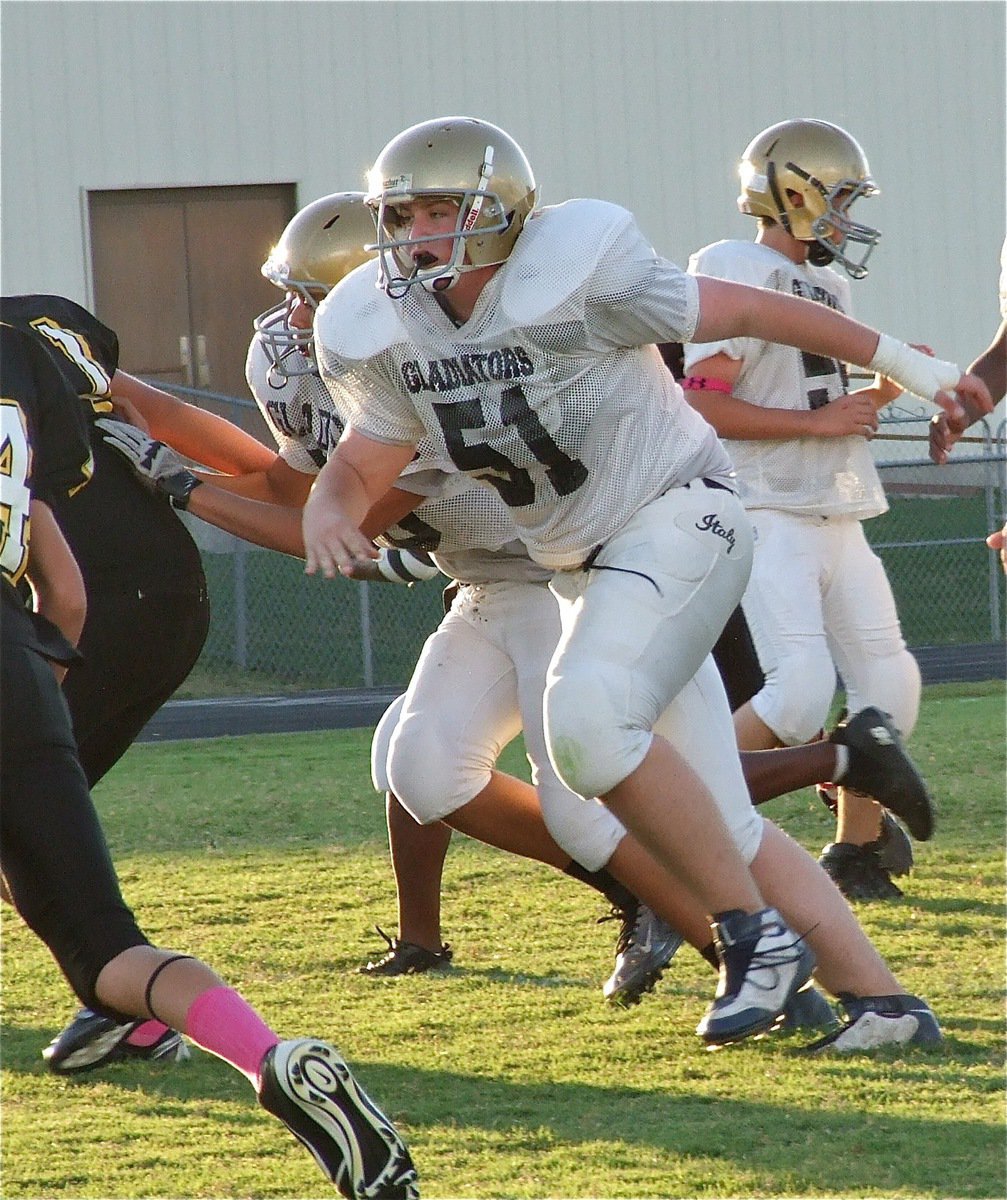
x=301, y=307
x=428, y=219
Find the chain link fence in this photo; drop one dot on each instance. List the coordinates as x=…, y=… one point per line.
x=274, y=630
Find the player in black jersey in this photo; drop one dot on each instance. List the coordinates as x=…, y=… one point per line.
x=148, y=612
x=52, y=849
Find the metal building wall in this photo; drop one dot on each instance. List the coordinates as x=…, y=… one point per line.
x=647, y=104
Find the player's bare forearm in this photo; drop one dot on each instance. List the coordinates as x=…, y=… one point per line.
x=200, y=435
x=734, y=418
x=357, y=475
x=736, y=310
x=991, y=367
x=274, y=526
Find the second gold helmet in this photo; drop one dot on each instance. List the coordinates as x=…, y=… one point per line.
x=805, y=174
x=321, y=244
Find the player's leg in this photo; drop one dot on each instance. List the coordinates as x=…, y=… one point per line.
x=866, y=641
x=848, y=965
x=62, y=881
x=637, y=625
x=417, y=854
x=137, y=651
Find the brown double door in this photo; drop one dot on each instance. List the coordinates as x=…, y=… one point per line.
x=176, y=275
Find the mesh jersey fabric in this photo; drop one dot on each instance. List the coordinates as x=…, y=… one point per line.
x=553, y=392
x=814, y=476
x=464, y=524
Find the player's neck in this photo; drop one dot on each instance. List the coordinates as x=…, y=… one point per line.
x=459, y=303
x=777, y=238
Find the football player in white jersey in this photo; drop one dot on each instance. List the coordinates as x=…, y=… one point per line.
x=521, y=343
x=818, y=595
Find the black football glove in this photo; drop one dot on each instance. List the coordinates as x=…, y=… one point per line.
x=156, y=466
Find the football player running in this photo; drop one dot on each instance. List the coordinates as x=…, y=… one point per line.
x=520, y=342
x=54, y=855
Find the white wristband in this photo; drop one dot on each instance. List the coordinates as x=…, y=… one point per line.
x=402, y=566
x=915, y=371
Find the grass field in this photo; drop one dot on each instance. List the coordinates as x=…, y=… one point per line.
x=508, y=1075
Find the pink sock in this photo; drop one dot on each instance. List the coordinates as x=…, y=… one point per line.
x=147, y=1033
x=220, y=1021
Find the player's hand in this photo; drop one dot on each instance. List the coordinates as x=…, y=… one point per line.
x=855, y=413
x=997, y=540
x=155, y=465
x=944, y=432
x=333, y=543
x=394, y=566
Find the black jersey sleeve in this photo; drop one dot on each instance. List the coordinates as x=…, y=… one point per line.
x=85, y=350
x=48, y=417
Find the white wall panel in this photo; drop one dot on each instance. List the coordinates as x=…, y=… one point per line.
x=647, y=104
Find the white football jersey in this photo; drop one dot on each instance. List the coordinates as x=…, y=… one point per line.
x=553, y=392
x=816, y=476
x=298, y=410
x=465, y=525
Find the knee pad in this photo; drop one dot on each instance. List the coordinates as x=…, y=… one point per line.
x=590, y=745
x=585, y=829
x=795, y=700
x=892, y=683
x=428, y=775
x=380, y=743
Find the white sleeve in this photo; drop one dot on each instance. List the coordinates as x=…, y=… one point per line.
x=369, y=402
x=718, y=261
x=636, y=297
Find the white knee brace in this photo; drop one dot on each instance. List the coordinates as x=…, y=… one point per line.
x=795, y=699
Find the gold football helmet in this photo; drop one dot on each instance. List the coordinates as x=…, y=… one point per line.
x=468, y=161
x=321, y=243
x=805, y=175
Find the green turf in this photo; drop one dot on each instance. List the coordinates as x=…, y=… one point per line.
x=508, y=1075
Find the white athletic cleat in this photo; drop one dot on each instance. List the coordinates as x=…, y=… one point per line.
x=873, y=1021
x=763, y=963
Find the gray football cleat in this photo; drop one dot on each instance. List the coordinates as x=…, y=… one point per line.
x=645, y=947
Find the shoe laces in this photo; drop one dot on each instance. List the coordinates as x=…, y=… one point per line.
x=630, y=918
x=740, y=957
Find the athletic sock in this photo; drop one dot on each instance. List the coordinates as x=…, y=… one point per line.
x=222, y=1022
x=618, y=895
x=147, y=1034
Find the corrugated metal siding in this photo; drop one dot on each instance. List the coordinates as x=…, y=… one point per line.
x=647, y=104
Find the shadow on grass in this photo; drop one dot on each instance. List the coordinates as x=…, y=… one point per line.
x=820, y=1151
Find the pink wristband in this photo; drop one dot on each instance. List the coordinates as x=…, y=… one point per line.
x=702, y=383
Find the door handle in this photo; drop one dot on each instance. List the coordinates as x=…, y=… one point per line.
x=185, y=354
x=202, y=363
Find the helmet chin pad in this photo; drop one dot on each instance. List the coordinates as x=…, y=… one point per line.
x=820, y=255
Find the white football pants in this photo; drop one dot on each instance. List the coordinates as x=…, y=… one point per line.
x=819, y=599
x=479, y=680
x=638, y=627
